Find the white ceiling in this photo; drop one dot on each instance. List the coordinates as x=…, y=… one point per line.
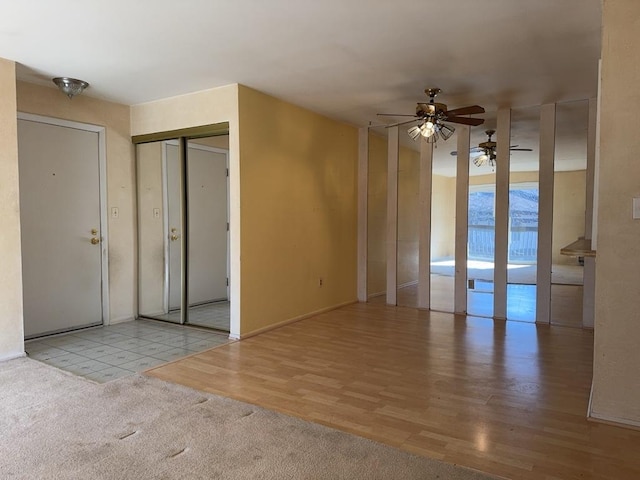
x=346, y=59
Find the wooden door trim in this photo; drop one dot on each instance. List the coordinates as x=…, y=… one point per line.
x=102, y=168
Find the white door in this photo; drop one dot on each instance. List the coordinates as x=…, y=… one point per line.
x=60, y=220
x=207, y=171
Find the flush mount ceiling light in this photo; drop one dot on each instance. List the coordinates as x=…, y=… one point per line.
x=432, y=117
x=70, y=86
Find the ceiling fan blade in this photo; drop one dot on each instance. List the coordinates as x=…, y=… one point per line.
x=472, y=151
x=466, y=121
x=521, y=149
x=402, y=123
x=470, y=110
x=394, y=115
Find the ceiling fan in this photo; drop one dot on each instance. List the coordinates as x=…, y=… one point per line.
x=432, y=117
x=485, y=152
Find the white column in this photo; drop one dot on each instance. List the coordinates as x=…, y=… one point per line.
x=503, y=141
x=545, y=212
x=392, y=216
x=424, y=239
x=363, y=197
x=462, y=219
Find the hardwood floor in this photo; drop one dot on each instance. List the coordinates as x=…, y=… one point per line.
x=566, y=300
x=507, y=398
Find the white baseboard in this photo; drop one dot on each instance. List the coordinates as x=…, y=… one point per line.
x=291, y=320
x=616, y=422
x=11, y=356
x=609, y=420
x=114, y=321
x=384, y=292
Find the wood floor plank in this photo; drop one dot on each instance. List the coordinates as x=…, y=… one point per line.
x=507, y=398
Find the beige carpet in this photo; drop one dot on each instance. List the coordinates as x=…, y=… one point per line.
x=57, y=426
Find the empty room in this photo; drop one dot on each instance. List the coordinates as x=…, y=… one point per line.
x=319, y=240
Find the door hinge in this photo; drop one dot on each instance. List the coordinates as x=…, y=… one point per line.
x=227, y=172
x=227, y=226
x=227, y=281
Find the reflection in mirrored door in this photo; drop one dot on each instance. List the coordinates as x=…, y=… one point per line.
x=481, y=241
x=443, y=227
x=408, y=232
x=523, y=214
x=569, y=204
x=208, y=239
x=183, y=231
x=173, y=226
x=377, y=218
x=159, y=231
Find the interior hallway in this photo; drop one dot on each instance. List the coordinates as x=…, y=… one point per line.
x=507, y=398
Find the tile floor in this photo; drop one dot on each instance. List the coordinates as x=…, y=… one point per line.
x=106, y=353
x=212, y=315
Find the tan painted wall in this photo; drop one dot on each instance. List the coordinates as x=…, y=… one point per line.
x=206, y=107
x=50, y=102
x=11, y=319
x=299, y=211
x=616, y=389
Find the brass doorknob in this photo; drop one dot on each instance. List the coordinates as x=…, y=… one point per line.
x=174, y=237
x=95, y=241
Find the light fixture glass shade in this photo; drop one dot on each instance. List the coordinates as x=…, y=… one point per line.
x=433, y=138
x=481, y=160
x=446, y=131
x=70, y=86
x=414, y=132
x=427, y=129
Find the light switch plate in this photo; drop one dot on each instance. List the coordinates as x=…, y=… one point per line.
x=636, y=208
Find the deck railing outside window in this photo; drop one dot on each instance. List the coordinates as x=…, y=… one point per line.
x=523, y=243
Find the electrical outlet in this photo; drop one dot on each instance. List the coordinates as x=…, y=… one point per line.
x=115, y=213
x=320, y=282
x=156, y=213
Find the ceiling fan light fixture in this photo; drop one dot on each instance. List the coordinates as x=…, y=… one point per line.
x=70, y=86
